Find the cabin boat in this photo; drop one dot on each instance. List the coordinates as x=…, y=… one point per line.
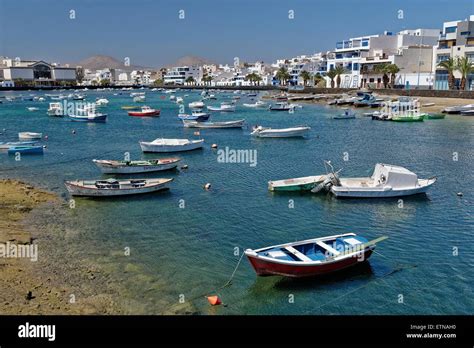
x=306, y=183
x=312, y=257
x=196, y=105
x=347, y=115
x=195, y=116
x=132, y=167
x=25, y=149
x=146, y=111
x=412, y=117
x=386, y=181
x=89, y=117
x=55, y=109
x=29, y=135
x=114, y=187
x=224, y=124
x=346, y=100
x=171, y=145
x=282, y=106
x=263, y=132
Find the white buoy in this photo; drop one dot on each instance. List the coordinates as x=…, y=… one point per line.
x=184, y=166
x=459, y=194
x=207, y=186
x=214, y=146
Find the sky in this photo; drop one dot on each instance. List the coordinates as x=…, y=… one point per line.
x=151, y=32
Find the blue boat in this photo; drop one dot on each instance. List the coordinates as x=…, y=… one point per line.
x=89, y=118
x=25, y=150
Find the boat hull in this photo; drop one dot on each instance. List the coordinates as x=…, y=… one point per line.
x=288, y=134
x=95, y=119
x=148, y=147
x=267, y=268
x=348, y=193
x=75, y=190
x=124, y=169
x=144, y=114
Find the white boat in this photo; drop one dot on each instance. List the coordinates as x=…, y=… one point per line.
x=139, y=99
x=114, y=187
x=224, y=107
x=179, y=100
x=257, y=104
x=132, y=167
x=225, y=124
x=306, y=183
x=172, y=97
x=29, y=135
x=263, y=132
x=386, y=181
x=32, y=108
x=281, y=106
x=458, y=109
x=101, y=102
x=171, y=145
x=55, y=109
x=347, y=115
x=9, y=144
x=196, y=105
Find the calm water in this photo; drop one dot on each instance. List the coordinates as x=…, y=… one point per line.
x=190, y=251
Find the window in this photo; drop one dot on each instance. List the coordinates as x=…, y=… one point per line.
x=442, y=58
x=464, y=33
x=365, y=42
x=450, y=30
x=355, y=67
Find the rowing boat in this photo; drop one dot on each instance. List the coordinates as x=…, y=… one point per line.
x=312, y=257
x=114, y=187
x=131, y=167
x=171, y=145
x=306, y=183
x=225, y=124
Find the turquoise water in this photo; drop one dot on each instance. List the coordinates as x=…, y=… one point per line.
x=190, y=251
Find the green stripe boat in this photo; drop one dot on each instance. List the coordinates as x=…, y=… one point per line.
x=306, y=183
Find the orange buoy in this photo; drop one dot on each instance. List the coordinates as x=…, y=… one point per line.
x=214, y=300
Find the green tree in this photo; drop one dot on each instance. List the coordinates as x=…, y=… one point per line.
x=306, y=76
x=282, y=75
x=332, y=75
x=104, y=82
x=190, y=80
x=79, y=74
x=465, y=67
x=339, y=71
x=451, y=66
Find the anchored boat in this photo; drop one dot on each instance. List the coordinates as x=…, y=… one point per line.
x=263, y=132
x=9, y=144
x=131, y=167
x=312, y=257
x=114, y=187
x=27, y=149
x=146, y=111
x=306, y=183
x=195, y=116
x=90, y=117
x=171, y=145
x=386, y=181
x=225, y=124
x=29, y=135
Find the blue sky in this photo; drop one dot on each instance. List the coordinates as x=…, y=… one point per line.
x=151, y=34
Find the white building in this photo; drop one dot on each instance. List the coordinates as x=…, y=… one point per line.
x=179, y=75
x=370, y=50
x=38, y=73
x=455, y=40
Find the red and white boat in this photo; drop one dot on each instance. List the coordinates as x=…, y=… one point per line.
x=146, y=111
x=312, y=257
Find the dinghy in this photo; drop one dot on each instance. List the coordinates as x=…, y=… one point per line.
x=312, y=257
x=114, y=187
x=9, y=144
x=131, y=107
x=386, y=181
x=145, y=111
x=306, y=183
x=263, y=132
x=283, y=106
x=29, y=135
x=225, y=124
x=132, y=167
x=257, y=104
x=458, y=109
x=32, y=108
x=171, y=145
x=195, y=116
x=434, y=116
x=90, y=117
x=347, y=115
x=225, y=107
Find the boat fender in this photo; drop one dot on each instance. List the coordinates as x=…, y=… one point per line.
x=207, y=186
x=214, y=300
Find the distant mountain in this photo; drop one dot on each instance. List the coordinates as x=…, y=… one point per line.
x=102, y=62
x=190, y=60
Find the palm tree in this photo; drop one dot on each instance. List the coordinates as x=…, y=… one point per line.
x=282, y=75
x=465, y=67
x=306, y=76
x=392, y=69
x=317, y=78
x=190, y=80
x=339, y=71
x=450, y=65
x=331, y=74
x=258, y=79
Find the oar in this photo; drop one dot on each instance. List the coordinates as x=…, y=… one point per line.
x=362, y=247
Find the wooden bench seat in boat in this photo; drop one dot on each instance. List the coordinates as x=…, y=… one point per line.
x=298, y=254
x=328, y=248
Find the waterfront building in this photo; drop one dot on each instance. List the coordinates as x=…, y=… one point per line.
x=35, y=72
x=455, y=40
x=179, y=75
x=371, y=50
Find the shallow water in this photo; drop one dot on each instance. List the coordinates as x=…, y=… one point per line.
x=190, y=251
